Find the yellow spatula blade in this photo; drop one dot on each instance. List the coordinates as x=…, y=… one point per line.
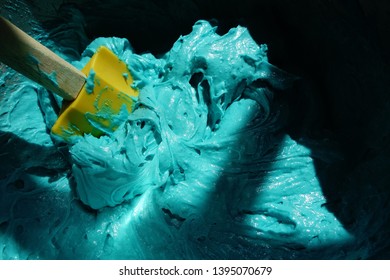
x=106, y=95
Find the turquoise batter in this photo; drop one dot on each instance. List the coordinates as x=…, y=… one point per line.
x=202, y=169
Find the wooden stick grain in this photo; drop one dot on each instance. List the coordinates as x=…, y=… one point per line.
x=27, y=56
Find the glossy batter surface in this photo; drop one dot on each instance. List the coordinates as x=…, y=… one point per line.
x=201, y=169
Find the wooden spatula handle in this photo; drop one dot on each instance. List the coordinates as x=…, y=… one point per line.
x=30, y=58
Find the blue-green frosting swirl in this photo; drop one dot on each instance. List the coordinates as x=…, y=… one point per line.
x=201, y=169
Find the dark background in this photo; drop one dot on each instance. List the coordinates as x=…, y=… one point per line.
x=340, y=51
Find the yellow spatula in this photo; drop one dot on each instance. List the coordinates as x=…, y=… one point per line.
x=98, y=93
